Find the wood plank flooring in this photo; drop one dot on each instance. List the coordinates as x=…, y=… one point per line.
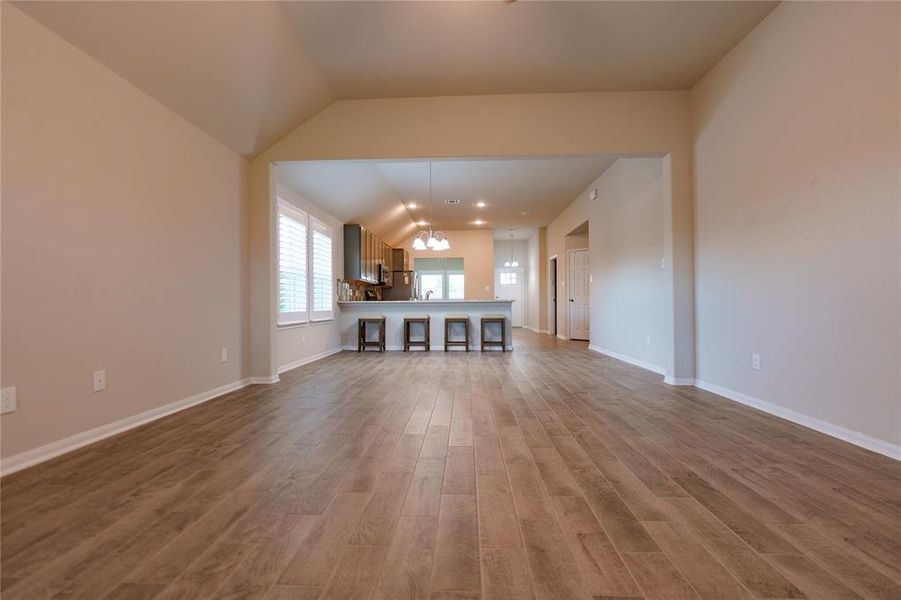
x=549, y=472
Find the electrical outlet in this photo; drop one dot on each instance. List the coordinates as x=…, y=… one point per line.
x=8, y=402
x=99, y=380
x=755, y=362
x=223, y=355
x=663, y=263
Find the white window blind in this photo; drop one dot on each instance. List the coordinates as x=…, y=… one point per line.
x=292, y=264
x=322, y=290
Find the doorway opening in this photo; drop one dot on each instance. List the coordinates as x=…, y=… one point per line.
x=508, y=285
x=578, y=266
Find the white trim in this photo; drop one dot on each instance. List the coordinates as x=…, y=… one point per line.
x=678, y=380
x=852, y=437
x=305, y=361
x=264, y=380
x=628, y=359
x=560, y=336
x=535, y=329
x=40, y=454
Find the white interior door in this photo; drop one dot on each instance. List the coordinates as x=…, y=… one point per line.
x=579, y=288
x=508, y=286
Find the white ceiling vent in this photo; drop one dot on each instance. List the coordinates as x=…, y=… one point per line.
x=452, y=201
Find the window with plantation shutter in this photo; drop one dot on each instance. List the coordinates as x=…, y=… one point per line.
x=322, y=290
x=292, y=264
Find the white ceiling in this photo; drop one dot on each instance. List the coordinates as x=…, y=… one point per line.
x=376, y=193
x=392, y=49
x=250, y=72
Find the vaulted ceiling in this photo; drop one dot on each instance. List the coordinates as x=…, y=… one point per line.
x=250, y=72
x=518, y=193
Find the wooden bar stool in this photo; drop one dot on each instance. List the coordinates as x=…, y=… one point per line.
x=487, y=319
x=362, y=342
x=450, y=319
x=409, y=320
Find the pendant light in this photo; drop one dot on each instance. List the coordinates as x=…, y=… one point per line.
x=511, y=260
x=423, y=239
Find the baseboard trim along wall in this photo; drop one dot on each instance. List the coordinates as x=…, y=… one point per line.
x=852, y=437
x=628, y=359
x=678, y=380
x=40, y=454
x=305, y=361
x=263, y=380
x=535, y=329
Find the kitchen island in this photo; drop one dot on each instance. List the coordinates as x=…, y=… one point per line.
x=394, y=311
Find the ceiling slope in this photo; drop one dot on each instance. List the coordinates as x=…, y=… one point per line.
x=397, y=49
x=235, y=69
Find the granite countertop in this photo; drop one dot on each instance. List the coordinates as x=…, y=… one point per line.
x=373, y=302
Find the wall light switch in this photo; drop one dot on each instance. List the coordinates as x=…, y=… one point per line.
x=593, y=194
x=223, y=354
x=649, y=340
x=755, y=362
x=663, y=263
x=99, y=380
x=8, y=400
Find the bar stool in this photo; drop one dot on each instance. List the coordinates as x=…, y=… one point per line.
x=409, y=320
x=362, y=342
x=487, y=319
x=450, y=319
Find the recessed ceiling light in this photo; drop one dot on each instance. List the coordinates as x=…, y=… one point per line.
x=524, y=213
x=411, y=205
x=422, y=223
x=479, y=222
x=481, y=204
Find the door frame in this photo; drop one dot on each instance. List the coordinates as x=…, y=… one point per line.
x=569, y=261
x=552, y=287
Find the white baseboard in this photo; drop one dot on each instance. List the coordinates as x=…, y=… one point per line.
x=852, y=437
x=536, y=330
x=263, y=380
x=40, y=454
x=305, y=361
x=560, y=336
x=628, y=359
x=679, y=380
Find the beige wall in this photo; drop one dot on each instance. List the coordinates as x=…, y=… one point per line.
x=476, y=248
x=537, y=282
x=123, y=240
x=490, y=126
x=297, y=344
x=796, y=170
x=628, y=290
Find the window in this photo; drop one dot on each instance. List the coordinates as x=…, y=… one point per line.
x=322, y=295
x=432, y=282
x=443, y=276
x=454, y=286
x=508, y=277
x=292, y=264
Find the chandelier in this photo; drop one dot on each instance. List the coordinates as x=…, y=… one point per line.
x=434, y=240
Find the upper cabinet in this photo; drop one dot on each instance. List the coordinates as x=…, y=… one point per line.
x=366, y=257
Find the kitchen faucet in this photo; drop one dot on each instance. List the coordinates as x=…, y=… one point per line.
x=429, y=293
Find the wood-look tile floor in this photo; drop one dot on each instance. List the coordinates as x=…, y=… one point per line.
x=548, y=472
